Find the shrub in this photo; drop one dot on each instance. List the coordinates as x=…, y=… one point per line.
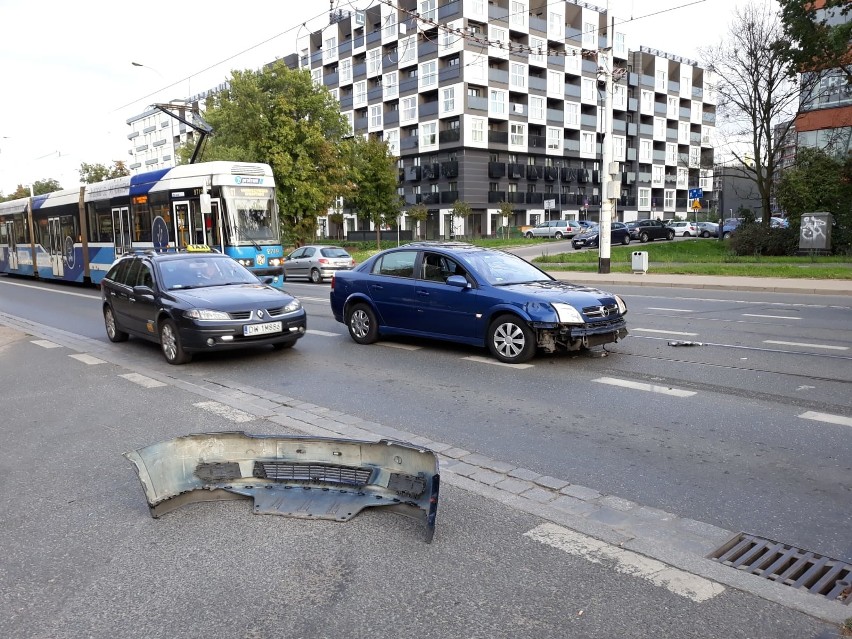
x=755, y=239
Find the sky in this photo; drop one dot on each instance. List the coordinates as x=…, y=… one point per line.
x=69, y=85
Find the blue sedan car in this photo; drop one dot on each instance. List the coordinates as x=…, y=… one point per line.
x=473, y=295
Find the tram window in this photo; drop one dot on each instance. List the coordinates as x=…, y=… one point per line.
x=142, y=222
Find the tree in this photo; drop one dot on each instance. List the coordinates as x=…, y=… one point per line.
x=279, y=116
x=93, y=173
x=419, y=213
x=819, y=34
x=505, y=214
x=819, y=182
x=758, y=95
x=374, y=176
x=462, y=210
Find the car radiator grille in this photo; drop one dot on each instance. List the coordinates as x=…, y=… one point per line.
x=597, y=312
x=284, y=471
x=240, y=315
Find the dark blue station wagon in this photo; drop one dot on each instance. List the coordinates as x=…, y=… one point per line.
x=483, y=297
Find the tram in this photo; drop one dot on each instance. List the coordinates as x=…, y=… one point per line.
x=75, y=235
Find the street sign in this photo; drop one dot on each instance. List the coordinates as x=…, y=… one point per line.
x=695, y=194
x=550, y=204
x=696, y=205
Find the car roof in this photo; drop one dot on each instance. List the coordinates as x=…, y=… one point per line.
x=174, y=256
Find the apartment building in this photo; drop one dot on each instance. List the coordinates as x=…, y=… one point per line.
x=503, y=101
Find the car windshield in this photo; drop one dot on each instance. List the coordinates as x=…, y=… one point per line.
x=500, y=269
x=201, y=272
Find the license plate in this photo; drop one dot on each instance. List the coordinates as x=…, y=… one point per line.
x=262, y=329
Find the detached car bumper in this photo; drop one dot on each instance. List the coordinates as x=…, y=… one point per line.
x=301, y=477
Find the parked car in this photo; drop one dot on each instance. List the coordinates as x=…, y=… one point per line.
x=555, y=228
x=196, y=301
x=618, y=233
x=708, y=229
x=648, y=230
x=685, y=229
x=730, y=225
x=316, y=262
x=473, y=295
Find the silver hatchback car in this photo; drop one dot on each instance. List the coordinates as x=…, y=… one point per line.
x=317, y=262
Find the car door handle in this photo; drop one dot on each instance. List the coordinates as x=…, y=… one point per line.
x=423, y=293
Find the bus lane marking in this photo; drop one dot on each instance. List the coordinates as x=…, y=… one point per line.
x=313, y=331
x=805, y=345
x=653, y=330
x=228, y=412
x=772, y=316
x=827, y=417
x=626, y=562
x=404, y=347
x=142, y=380
x=651, y=388
x=671, y=310
x=87, y=359
x=494, y=362
x=44, y=343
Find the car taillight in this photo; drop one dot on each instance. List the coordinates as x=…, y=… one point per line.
x=322, y=260
x=332, y=281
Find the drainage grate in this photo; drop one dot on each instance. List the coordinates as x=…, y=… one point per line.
x=788, y=565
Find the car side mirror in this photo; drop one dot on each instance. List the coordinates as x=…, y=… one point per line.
x=458, y=280
x=266, y=279
x=144, y=291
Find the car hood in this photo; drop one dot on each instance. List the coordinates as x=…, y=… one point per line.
x=221, y=297
x=578, y=295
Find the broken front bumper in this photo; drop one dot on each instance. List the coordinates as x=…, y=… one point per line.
x=303, y=477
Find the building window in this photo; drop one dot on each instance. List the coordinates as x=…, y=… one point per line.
x=497, y=101
x=645, y=150
x=644, y=198
x=554, y=138
x=477, y=130
x=408, y=48
x=429, y=133
x=555, y=82
x=590, y=35
x=588, y=90
x=449, y=99
x=647, y=102
x=618, y=147
x=517, y=133
x=659, y=128
x=573, y=59
x=668, y=199
x=390, y=85
x=360, y=93
x=536, y=106
x=409, y=108
x=671, y=153
x=376, y=116
x=587, y=142
x=661, y=81
x=428, y=74
x=374, y=61
x=572, y=114
x=673, y=108
x=517, y=75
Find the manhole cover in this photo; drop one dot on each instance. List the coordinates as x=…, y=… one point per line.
x=788, y=565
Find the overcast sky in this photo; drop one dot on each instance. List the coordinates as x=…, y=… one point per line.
x=68, y=85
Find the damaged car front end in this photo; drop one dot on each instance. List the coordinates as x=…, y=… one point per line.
x=301, y=477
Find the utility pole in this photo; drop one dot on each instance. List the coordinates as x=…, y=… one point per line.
x=609, y=169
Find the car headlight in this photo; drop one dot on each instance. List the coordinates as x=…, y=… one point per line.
x=567, y=314
x=622, y=307
x=206, y=314
x=295, y=305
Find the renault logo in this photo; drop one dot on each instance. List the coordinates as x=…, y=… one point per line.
x=259, y=313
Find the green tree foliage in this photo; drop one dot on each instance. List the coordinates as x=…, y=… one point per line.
x=819, y=182
x=280, y=117
x=93, y=173
x=463, y=210
x=419, y=213
x=40, y=187
x=818, y=37
x=374, y=176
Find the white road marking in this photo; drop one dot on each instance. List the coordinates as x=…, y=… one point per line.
x=142, y=380
x=652, y=388
x=404, y=347
x=627, y=562
x=805, y=387
x=827, y=417
x=671, y=310
x=87, y=359
x=312, y=331
x=228, y=412
x=489, y=360
x=50, y=290
x=652, y=330
x=825, y=346
x=771, y=316
x=45, y=343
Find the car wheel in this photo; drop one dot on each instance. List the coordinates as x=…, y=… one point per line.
x=726, y=235
x=705, y=234
x=625, y=240
x=114, y=333
x=280, y=346
x=643, y=237
x=670, y=235
x=170, y=343
x=363, y=325
x=316, y=278
x=510, y=340
x=529, y=235
x=558, y=235
x=687, y=234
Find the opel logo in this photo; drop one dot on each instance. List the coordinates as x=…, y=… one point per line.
x=259, y=313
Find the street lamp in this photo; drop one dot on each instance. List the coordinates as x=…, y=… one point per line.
x=145, y=66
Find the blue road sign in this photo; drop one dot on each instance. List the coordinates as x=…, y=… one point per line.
x=695, y=194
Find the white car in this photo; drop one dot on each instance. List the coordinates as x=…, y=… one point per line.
x=685, y=229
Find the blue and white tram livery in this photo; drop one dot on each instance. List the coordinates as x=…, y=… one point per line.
x=76, y=234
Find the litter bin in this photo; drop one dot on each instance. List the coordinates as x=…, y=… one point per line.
x=640, y=261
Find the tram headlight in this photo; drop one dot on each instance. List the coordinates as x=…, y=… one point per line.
x=205, y=314
x=245, y=262
x=275, y=261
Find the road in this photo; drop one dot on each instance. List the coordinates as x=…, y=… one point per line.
x=714, y=433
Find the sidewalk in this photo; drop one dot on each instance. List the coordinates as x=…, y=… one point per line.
x=712, y=282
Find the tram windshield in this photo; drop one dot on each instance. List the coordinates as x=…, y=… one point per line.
x=253, y=214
